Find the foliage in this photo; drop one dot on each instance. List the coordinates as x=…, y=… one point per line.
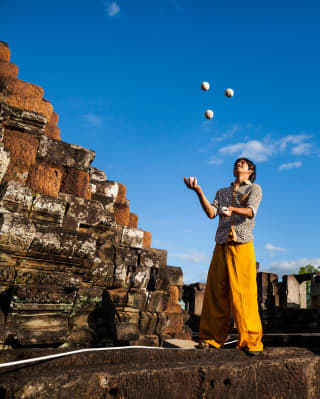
x=309, y=269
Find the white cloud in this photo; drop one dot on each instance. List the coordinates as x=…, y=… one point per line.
x=262, y=150
x=273, y=248
x=302, y=149
x=254, y=149
x=293, y=139
x=193, y=256
x=93, y=120
x=291, y=267
x=290, y=165
x=112, y=9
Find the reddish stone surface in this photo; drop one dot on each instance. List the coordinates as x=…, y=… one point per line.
x=76, y=182
x=53, y=132
x=8, y=69
x=173, y=304
x=121, y=198
x=21, y=88
x=4, y=52
x=52, y=129
x=147, y=238
x=22, y=146
x=42, y=107
x=133, y=220
x=122, y=214
x=45, y=179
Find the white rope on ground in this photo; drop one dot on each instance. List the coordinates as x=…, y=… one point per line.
x=38, y=359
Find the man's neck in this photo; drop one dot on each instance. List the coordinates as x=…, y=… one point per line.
x=240, y=179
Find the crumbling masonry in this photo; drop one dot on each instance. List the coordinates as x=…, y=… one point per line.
x=74, y=266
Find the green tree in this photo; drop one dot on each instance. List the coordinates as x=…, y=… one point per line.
x=308, y=269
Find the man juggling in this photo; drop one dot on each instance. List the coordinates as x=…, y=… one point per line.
x=231, y=281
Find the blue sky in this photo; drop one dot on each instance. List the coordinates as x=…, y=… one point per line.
x=125, y=79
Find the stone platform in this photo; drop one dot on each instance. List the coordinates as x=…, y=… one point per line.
x=164, y=373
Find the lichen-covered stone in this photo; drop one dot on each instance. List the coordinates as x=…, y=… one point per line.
x=96, y=175
x=60, y=153
x=4, y=160
x=175, y=275
x=132, y=237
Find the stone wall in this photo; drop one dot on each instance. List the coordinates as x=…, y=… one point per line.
x=75, y=268
x=283, y=305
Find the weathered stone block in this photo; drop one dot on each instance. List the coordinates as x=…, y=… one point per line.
x=38, y=273
x=170, y=323
x=55, y=244
x=175, y=275
x=18, y=198
x=121, y=197
x=173, y=303
x=83, y=211
x=138, y=277
x=113, y=235
x=133, y=220
x=8, y=69
x=121, y=214
x=292, y=292
x=45, y=179
x=148, y=322
x=107, y=188
x=86, y=300
x=119, y=297
x=137, y=298
x=101, y=273
x=155, y=258
x=61, y=153
x=125, y=257
x=21, y=88
x=96, y=175
x=33, y=104
x=37, y=328
x=146, y=340
x=127, y=327
x=132, y=237
x=4, y=52
x=107, y=202
x=157, y=301
x=43, y=294
x=76, y=182
x=147, y=238
x=16, y=233
x=4, y=160
x=22, y=146
x=17, y=171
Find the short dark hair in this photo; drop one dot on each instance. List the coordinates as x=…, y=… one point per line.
x=251, y=165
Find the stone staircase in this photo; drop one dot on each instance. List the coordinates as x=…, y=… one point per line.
x=75, y=269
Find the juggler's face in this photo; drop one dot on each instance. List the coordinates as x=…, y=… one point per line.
x=242, y=167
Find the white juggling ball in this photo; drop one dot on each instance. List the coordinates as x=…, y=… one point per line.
x=193, y=180
x=208, y=114
x=205, y=86
x=229, y=93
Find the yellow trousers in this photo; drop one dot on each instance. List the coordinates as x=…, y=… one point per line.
x=231, y=284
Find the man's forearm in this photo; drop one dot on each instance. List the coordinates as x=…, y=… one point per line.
x=207, y=207
x=242, y=211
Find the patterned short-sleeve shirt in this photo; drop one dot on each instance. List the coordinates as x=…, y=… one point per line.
x=246, y=195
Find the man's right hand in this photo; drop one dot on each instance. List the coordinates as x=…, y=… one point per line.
x=192, y=184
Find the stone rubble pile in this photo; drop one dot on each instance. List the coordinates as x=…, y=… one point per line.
x=74, y=266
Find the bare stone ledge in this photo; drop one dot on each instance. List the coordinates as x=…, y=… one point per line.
x=165, y=373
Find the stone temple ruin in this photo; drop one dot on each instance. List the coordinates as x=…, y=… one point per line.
x=75, y=269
